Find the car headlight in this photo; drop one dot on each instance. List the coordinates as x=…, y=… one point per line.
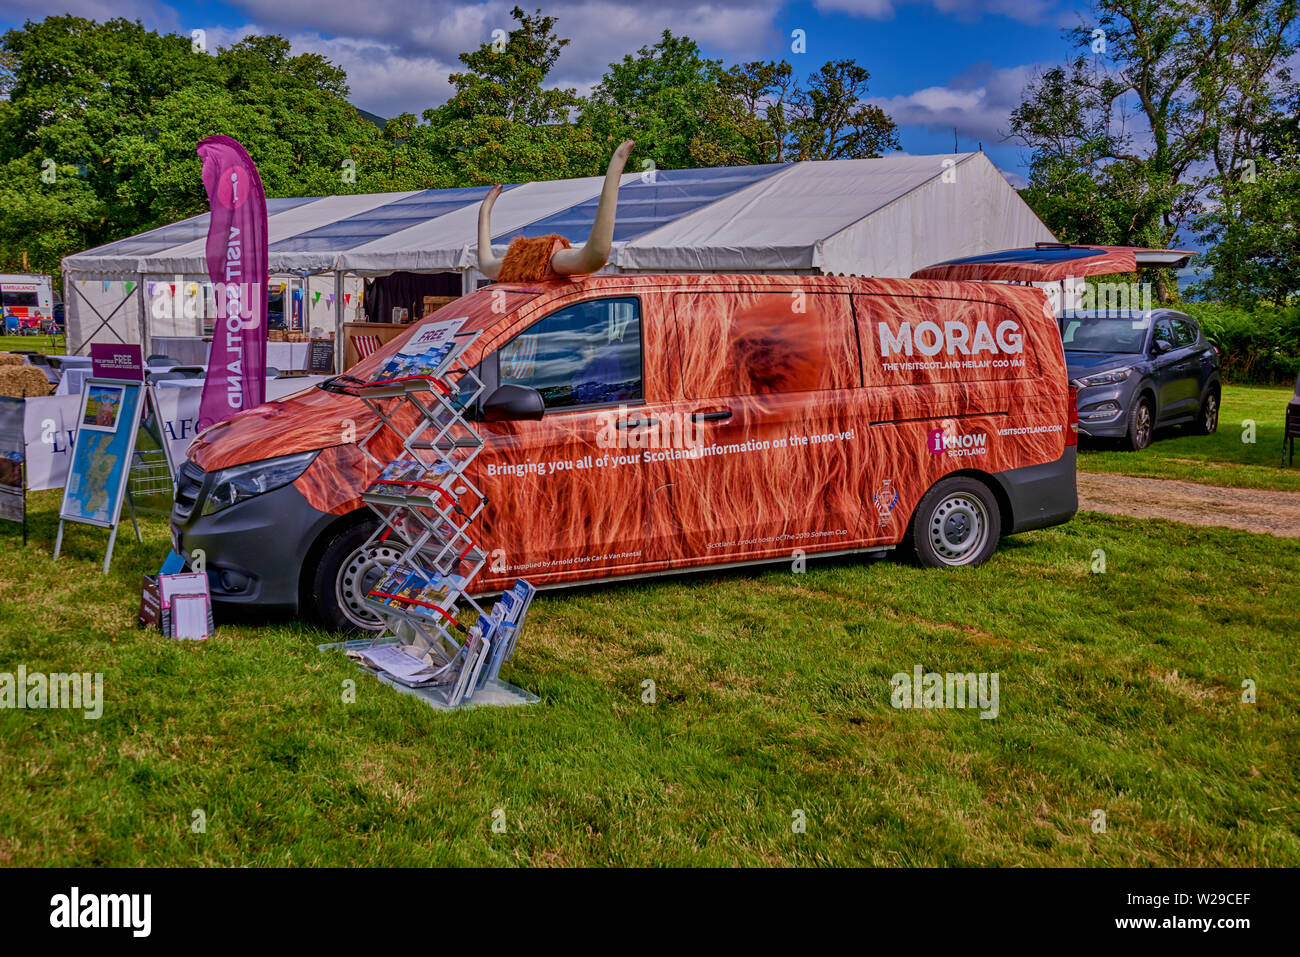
x=245, y=481
x=1107, y=378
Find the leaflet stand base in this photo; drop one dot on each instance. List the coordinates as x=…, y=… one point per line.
x=494, y=693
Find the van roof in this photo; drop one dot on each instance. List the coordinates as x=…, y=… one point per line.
x=1050, y=262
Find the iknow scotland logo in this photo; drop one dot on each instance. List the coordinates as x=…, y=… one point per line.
x=950, y=440
x=102, y=911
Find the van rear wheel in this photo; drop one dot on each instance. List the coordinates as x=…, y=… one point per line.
x=958, y=523
x=345, y=572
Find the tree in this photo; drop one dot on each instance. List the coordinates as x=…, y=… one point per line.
x=830, y=121
x=503, y=124
x=663, y=97
x=97, y=136
x=1173, y=88
x=684, y=110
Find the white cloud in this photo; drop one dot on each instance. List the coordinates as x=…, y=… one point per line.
x=977, y=102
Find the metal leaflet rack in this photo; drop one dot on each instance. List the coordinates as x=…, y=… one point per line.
x=432, y=519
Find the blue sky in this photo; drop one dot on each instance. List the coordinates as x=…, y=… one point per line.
x=935, y=64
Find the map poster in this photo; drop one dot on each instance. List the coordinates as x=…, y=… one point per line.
x=13, y=505
x=101, y=452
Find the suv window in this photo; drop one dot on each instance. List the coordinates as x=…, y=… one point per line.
x=1186, y=332
x=1165, y=330
x=585, y=354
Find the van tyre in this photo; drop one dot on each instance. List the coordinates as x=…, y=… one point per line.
x=1141, y=425
x=345, y=572
x=958, y=523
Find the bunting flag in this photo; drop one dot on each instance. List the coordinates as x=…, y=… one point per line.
x=315, y=298
x=347, y=298
x=130, y=286
x=108, y=284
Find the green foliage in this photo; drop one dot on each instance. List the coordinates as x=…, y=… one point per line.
x=1162, y=101
x=502, y=124
x=686, y=111
x=1260, y=344
x=1254, y=232
x=111, y=114
x=98, y=132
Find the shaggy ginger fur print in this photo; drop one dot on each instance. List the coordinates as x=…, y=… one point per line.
x=529, y=258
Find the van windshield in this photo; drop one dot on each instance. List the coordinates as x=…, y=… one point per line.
x=1105, y=334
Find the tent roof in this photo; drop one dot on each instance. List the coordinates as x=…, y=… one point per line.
x=885, y=216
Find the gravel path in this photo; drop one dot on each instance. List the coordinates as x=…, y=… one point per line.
x=1252, y=510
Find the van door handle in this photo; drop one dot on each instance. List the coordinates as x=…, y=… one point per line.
x=717, y=416
x=634, y=423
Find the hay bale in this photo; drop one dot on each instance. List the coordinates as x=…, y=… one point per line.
x=9, y=359
x=21, y=382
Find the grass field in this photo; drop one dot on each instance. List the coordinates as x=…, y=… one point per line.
x=1225, y=458
x=49, y=345
x=1119, y=692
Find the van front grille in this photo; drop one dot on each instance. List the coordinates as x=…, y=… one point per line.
x=188, y=484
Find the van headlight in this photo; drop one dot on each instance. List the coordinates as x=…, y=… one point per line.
x=1110, y=377
x=243, y=482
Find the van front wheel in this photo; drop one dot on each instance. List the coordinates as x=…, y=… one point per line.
x=957, y=523
x=345, y=572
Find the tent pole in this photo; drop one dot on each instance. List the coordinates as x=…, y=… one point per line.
x=144, y=326
x=338, y=321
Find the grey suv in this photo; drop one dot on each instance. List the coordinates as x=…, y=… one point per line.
x=1137, y=371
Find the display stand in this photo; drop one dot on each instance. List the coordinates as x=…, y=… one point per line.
x=107, y=424
x=426, y=502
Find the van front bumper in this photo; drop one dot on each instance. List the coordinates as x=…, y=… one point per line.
x=253, y=551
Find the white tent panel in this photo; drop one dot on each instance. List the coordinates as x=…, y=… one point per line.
x=449, y=242
x=188, y=254
x=964, y=209
x=883, y=217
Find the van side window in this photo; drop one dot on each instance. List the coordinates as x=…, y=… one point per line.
x=585, y=354
x=764, y=343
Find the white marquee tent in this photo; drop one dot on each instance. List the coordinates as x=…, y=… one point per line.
x=874, y=217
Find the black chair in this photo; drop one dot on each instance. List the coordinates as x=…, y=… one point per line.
x=189, y=372
x=160, y=360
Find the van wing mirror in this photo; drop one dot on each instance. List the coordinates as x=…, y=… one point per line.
x=513, y=403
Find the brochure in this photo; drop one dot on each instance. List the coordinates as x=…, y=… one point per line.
x=190, y=617
x=418, y=591
x=410, y=472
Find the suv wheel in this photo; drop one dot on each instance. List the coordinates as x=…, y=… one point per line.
x=1141, y=424
x=957, y=523
x=345, y=572
x=1207, y=422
